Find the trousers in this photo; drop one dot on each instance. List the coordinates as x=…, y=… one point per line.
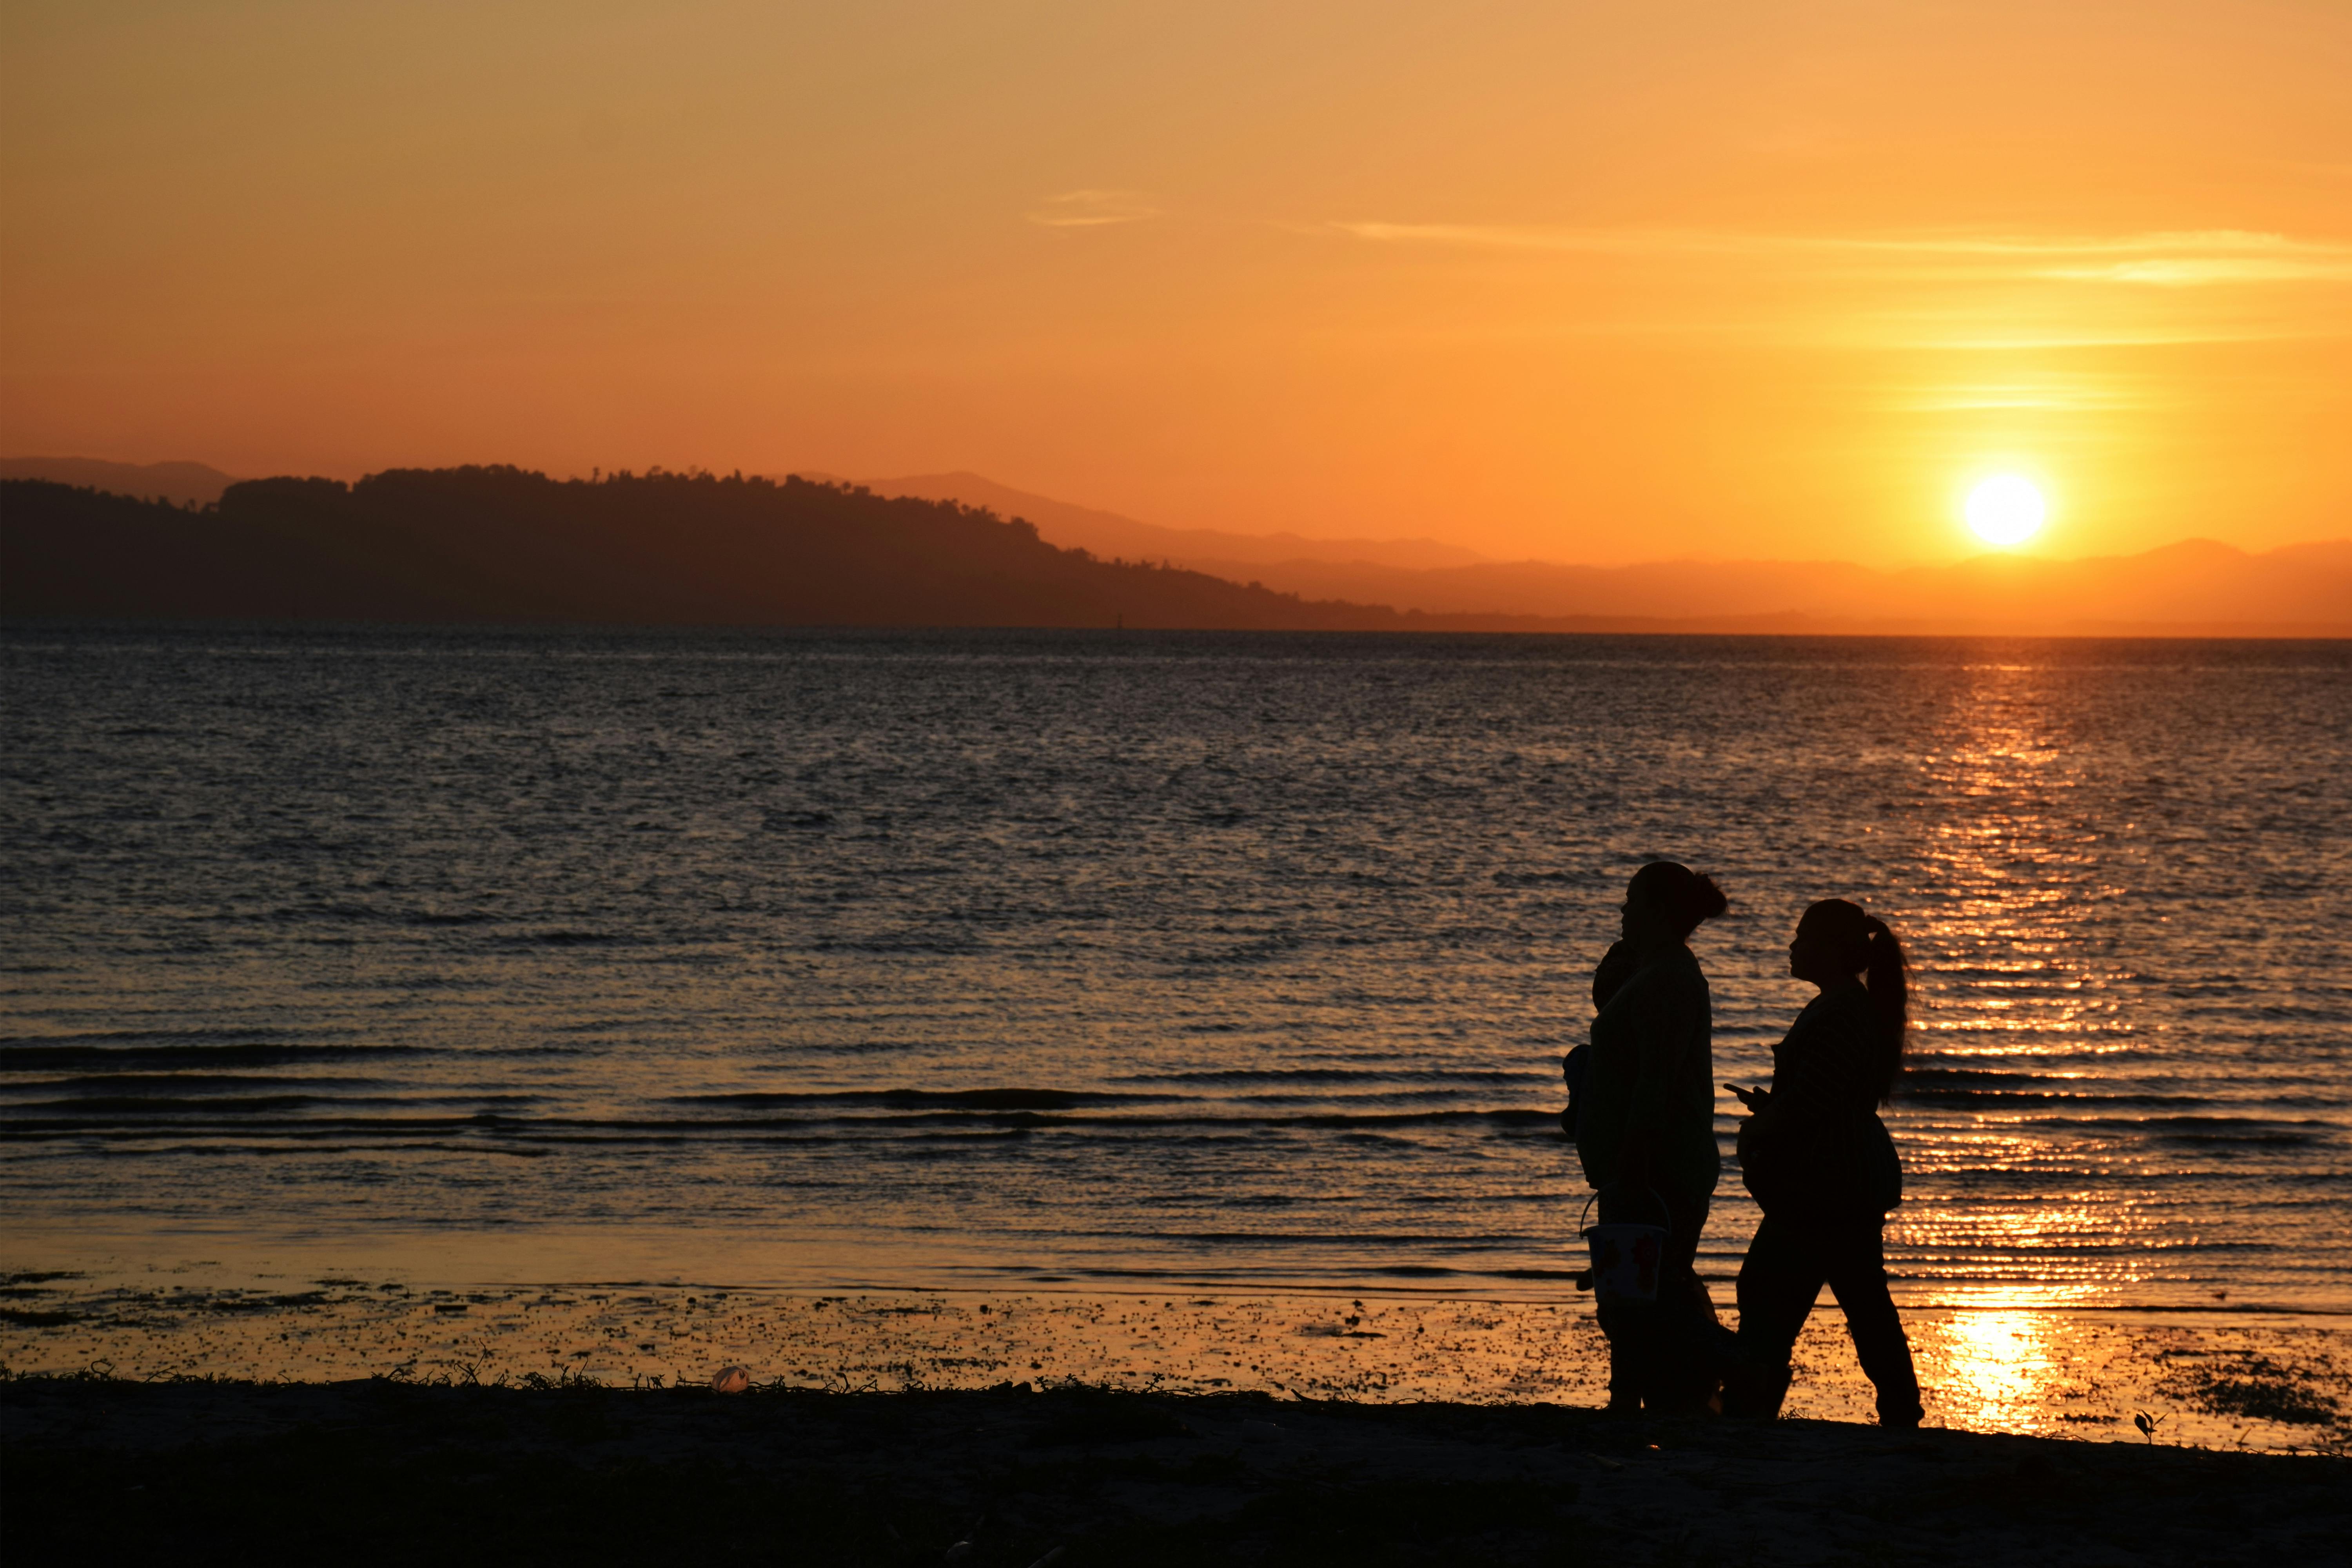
x=1791, y=1259
x=1661, y=1354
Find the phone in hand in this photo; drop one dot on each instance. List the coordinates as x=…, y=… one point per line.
x=1753, y=1099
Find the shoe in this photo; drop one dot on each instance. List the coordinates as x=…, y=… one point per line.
x=1752, y=1393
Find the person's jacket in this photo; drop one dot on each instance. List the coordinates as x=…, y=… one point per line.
x=1651, y=1071
x=1816, y=1144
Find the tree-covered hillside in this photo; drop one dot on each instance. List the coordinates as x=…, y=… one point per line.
x=500, y=544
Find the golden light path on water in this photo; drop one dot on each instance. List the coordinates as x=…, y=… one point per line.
x=2009, y=978
x=1996, y=1362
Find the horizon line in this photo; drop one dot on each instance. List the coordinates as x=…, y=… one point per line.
x=819, y=477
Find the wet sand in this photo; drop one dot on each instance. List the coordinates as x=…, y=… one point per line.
x=371, y=1422
x=2266, y=1382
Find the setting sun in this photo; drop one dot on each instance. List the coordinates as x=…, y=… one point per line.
x=2006, y=510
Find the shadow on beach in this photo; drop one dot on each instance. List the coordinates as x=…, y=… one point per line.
x=385, y=1471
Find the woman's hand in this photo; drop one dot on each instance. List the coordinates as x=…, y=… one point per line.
x=1753, y=1099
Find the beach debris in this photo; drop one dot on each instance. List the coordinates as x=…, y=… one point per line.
x=964, y=1548
x=2146, y=1423
x=730, y=1380
x=1606, y=1464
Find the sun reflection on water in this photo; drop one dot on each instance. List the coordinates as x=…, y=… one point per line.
x=2004, y=1360
x=1988, y=1370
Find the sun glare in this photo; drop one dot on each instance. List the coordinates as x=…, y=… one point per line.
x=2006, y=510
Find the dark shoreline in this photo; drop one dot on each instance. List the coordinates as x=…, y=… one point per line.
x=380, y=1470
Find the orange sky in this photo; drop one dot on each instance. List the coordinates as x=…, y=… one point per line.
x=1597, y=283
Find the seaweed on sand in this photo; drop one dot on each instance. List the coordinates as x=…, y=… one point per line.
x=2259, y=1388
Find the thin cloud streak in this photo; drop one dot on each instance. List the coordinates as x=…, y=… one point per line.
x=1092, y=209
x=2167, y=260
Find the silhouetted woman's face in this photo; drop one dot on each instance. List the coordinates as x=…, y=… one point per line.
x=1644, y=921
x=1815, y=956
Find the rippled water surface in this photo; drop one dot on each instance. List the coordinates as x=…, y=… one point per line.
x=1004, y=956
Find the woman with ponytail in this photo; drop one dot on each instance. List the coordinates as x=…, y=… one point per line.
x=1820, y=1164
x=1644, y=1132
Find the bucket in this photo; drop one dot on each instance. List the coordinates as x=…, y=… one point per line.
x=1625, y=1257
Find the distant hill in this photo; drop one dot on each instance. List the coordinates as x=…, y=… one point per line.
x=187, y=484
x=2198, y=584
x=500, y=544
x=2196, y=587
x=2191, y=584
x=1111, y=536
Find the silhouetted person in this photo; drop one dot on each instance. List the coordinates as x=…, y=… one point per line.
x=1616, y=967
x=1823, y=1170
x=1645, y=1126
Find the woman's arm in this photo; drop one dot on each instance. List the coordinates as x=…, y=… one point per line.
x=1824, y=1064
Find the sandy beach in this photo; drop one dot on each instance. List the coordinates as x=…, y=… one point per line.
x=2275, y=1382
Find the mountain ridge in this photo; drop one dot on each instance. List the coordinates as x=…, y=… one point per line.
x=2213, y=583
x=1115, y=535
x=184, y=483
x=2197, y=587
x=475, y=545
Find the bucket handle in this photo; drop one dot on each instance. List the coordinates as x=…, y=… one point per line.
x=1664, y=1214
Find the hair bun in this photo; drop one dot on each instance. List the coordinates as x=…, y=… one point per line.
x=1686, y=897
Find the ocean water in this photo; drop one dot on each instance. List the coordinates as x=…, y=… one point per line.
x=1010, y=958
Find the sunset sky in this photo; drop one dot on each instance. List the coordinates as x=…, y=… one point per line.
x=1592, y=282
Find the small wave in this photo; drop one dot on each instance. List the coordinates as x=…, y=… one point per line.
x=1917, y=1072
x=150, y=1036
x=136, y=1116
x=943, y=1112
x=966, y=1099
x=182, y=1083
x=148, y=1059
x=1435, y=1075
x=158, y=1105
x=1205, y=1118
x=2021, y=1098
x=2206, y=1129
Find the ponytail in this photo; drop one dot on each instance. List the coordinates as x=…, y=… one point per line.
x=1889, y=979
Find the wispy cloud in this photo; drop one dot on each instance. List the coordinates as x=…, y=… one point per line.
x=2188, y=271
x=1092, y=209
x=2167, y=259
